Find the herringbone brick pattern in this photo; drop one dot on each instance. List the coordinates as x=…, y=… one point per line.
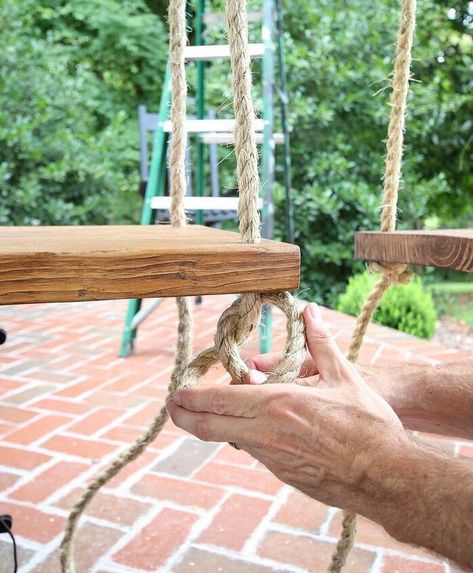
x=68, y=404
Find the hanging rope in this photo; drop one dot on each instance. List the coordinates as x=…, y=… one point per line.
x=177, y=33
x=239, y=320
x=394, y=273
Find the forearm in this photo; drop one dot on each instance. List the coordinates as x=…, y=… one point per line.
x=436, y=399
x=427, y=500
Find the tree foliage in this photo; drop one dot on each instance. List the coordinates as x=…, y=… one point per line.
x=72, y=75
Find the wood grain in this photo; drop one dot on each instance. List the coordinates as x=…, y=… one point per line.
x=448, y=249
x=59, y=264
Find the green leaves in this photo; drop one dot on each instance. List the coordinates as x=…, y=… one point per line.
x=408, y=308
x=72, y=77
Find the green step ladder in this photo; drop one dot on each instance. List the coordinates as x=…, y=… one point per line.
x=220, y=131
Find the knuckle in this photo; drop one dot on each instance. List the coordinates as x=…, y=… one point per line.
x=280, y=403
x=202, y=429
x=218, y=401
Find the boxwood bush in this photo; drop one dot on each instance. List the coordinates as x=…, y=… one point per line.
x=409, y=308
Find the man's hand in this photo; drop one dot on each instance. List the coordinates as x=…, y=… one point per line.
x=329, y=440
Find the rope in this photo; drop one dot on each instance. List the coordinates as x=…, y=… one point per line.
x=177, y=22
x=394, y=273
x=239, y=320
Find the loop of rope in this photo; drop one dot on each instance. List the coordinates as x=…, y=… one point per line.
x=394, y=272
x=389, y=273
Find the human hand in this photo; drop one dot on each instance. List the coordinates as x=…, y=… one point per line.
x=334, y=440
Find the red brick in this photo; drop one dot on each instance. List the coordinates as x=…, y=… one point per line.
x=92, y=541
x=466, y=451
x=95, y=421
x=15, y=415
x=230, y=455
x=199, y=561
x=63, y=406
x=8, y=385
x=145, y=459
x=114, y=508
x=144, y=416
x=37, y=429
x=245, y=478
x=234, y=524
x=123, y=401
x=311, y=554
x=21, y=459
x=392, y=564
x=78, y=389
x=302, y=512
x=179, y=491
x=156, y=542
x=32, y=523
x=49, y=481
x=7, y=480
x=6, y=428
x=84, y=448
x=371, y=533
x=122, y=434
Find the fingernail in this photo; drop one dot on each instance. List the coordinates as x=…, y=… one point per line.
x=257, y=377
x=177, y=399
x=314, y=311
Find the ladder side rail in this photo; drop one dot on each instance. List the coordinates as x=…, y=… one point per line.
x=213, y=157
x=283, y=104
x=267, y=167
x=159, y=155
x=200, y=148
x=144, y=148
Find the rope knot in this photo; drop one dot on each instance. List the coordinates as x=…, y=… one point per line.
x=393, y=272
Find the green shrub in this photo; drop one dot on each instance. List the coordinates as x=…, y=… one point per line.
x=408, y=308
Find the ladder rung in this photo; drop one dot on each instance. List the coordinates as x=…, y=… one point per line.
x=213, y=18
x=206, y=125
x=229, y=138
x=200, y=203
x=218, y=52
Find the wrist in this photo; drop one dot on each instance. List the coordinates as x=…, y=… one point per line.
x=403, y=478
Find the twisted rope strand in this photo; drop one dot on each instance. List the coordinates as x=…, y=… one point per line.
x=245, y=140
x=390, y=273
x=184, y=334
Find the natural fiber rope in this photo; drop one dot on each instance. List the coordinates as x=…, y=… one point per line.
x=390, y=273
x=238, y=321
x=177, y=23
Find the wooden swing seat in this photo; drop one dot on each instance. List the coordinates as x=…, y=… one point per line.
x=62, y=264
x=446, y=249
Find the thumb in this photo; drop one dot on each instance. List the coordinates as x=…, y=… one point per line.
x=327, y=356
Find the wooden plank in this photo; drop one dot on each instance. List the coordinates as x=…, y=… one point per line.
x=217, y=125
x=201, y=203
x=211, y=52
x=448, y=249
x=59, y=264
x=229, y=138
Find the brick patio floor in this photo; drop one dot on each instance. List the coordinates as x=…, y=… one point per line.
x=69, y=404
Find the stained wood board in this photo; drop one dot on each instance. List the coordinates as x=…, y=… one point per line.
x=447, y=248
x=59, y=264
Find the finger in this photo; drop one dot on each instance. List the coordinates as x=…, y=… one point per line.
x=266, y=362
x=327, y=356
x=241, y=400
x=212, y=427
